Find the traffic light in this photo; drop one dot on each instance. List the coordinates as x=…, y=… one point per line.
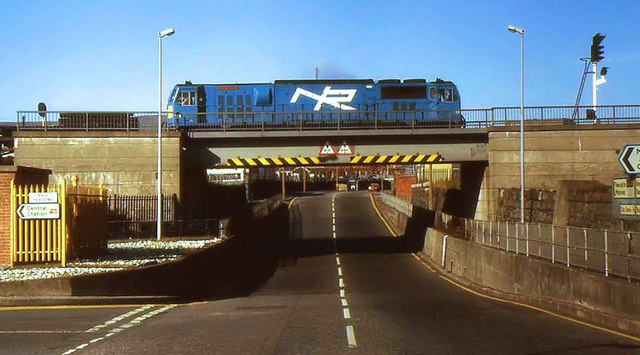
x=596, y=49
x=603, y=71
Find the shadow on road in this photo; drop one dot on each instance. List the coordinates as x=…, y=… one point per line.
x=410, y=242
x=240, y=265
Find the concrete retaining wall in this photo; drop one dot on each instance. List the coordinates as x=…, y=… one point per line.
x=122, y=162
x=552, y=155
x=396, y=211
x=232, y=268
x=610, y=302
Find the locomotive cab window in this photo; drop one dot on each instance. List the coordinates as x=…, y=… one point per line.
x=187, y=98
x=172, y=97
x=447, y=95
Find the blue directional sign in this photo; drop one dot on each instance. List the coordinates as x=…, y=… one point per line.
x=629, y=159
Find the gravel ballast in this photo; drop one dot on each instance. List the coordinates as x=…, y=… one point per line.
x=120, y=255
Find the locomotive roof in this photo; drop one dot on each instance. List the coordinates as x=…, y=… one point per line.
x=325, y=81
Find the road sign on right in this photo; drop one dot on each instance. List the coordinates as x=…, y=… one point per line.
x=629, y=158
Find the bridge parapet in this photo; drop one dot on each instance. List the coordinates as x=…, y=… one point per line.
x=330, y=120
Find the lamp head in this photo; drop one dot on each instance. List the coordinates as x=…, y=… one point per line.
x=167, y=32
x=515, y=29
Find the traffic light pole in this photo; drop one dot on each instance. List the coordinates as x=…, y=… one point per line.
x=595, y=85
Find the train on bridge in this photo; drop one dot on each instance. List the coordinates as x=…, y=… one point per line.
x=316, y=103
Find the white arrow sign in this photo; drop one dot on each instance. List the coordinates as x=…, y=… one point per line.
x=39, y=211
x=629, y=159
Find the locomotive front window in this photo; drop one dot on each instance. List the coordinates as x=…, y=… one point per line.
x=187, y=98
x=446, y=95
x=172, y=97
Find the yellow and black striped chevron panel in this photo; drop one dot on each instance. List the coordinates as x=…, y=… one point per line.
x=396, y=159
x=273, y=162
x=315, y=161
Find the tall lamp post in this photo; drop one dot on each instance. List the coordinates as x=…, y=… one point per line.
x=520, y=31
x=167, y=32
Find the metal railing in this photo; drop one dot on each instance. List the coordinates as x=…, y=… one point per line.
x=87, y=121
x=326, y=120
x=600, y=250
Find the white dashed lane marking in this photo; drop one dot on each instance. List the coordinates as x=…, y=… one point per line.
x=346, y=312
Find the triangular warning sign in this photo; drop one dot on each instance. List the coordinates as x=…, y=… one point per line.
x=345, y=150
x=327, y=150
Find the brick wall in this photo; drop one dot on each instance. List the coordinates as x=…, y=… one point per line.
x=403, y=186
x=5, y=215
x=23, y=176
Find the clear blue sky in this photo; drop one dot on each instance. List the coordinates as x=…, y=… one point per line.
x=103, y=55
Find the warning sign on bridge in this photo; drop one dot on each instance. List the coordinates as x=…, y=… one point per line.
x=327, y=150
x=345, y=149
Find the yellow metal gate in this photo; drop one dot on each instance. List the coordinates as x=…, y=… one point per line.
x=38, y=240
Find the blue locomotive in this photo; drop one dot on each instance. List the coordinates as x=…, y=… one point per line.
x=316, y=103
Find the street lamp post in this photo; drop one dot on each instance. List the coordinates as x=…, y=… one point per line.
x=167, y=32
x=520, y=31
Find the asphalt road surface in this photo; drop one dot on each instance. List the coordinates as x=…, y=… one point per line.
x=343, y=287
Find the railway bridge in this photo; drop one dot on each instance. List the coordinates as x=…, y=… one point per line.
x=561, y=143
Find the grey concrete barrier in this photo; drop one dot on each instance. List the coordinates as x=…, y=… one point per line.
x=610, y=302
x=234, y=267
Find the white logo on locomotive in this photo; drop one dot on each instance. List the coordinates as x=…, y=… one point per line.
x=333, y=97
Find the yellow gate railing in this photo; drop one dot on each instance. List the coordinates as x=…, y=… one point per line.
x=38, y=240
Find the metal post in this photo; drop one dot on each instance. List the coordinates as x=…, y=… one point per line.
x=520, y=31
x=507, y=225
x=628, y=257
x=539, y=240
x=606, y=253
x=527, y=236
x=490, y=233
x=517, y=236
x=553, y=244
x=595, y=86
x=284, y=191
x=304, y=180
x=586, y=255
x=167, y=32
x=159, y=143
x=466, y=227
x=568, y=253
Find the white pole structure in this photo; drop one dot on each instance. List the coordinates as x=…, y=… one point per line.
x=595, y=85
x=167, y=32
x=520, y=31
